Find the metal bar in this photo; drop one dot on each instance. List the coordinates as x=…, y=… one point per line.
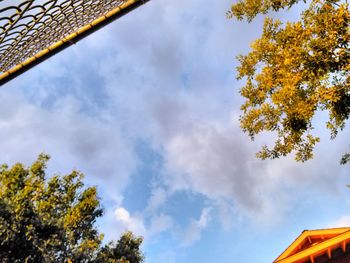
x=70, y=39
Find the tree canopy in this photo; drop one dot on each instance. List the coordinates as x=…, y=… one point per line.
x=294, y=70
x=53, y=219
x=127, y=249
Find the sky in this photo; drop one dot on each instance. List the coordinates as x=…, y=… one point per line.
x=147, y=108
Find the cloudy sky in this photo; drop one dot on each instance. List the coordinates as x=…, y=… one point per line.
x=148, y=109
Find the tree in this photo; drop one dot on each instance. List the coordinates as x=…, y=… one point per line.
x=47, y=219
x=293, y=71
x=126, y=249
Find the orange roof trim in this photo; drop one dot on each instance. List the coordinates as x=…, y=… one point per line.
x=312, y=243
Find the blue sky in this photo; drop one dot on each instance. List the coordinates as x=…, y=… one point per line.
x=148, y=109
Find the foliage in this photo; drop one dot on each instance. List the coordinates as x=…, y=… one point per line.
x=294, y=70
x=48, y=219
x=126, y=249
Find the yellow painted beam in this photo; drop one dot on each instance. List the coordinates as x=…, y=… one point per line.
x=318, y=249
x=319, y=233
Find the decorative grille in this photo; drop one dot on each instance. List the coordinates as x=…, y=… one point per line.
x=28, y=27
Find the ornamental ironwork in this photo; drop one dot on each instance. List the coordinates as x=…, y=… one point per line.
x=32, y=29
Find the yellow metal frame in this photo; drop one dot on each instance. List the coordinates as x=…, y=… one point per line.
x=70, y=39
x=337, y=237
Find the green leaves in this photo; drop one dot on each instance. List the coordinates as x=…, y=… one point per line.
x=53, y=219
x=345, y=158
x=127, y=249
x=293, y=71
x=34, y=212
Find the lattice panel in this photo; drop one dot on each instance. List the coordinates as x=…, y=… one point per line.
x=30, y=26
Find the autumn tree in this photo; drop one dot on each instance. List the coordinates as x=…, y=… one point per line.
x=48, y=219
x=294, y=70
x=126, y=249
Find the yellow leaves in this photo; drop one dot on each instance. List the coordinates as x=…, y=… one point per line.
x=122, y=260
x=258, y=119
x=72, y=219
x=287, y=61
x=250, y=8
x=294, y=70
x=89, y=245
x=328, y=94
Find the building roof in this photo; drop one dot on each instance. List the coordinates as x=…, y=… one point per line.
x=312, y=243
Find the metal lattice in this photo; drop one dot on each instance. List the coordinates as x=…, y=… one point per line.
x=32, y=26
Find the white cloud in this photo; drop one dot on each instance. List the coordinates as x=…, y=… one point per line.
x=343, y=221
x=124, y=221
x=160, y=223
x=121, y=214
x=194, y=230
x=128, y=222
x=97, y=147
x=181, y=98
x=157, y=199
x=213, y=161
x=171, y=84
